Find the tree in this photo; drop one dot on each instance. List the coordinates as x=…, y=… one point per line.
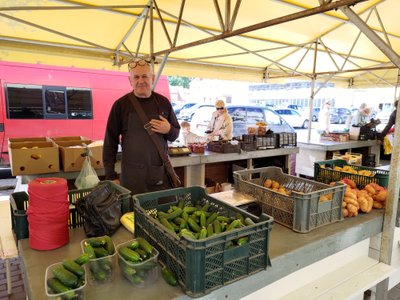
x=179, y=81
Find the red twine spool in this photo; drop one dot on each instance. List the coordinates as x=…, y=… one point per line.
x=48, y=213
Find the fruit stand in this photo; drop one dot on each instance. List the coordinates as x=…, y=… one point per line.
x=317, y=150
x=194, y=165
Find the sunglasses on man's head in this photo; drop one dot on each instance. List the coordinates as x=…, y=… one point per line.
x=219, y=108
x=140, y=62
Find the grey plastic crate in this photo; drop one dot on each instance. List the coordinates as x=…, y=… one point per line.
x=302, y=211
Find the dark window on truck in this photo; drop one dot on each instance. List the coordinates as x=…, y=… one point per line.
x=79, y=104
x=48, y=102
x=24, y=102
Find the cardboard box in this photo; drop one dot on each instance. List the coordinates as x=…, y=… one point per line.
x=68, y=138
x=27, y=158
x=28, y=139
x=350, y=157
x=72, y=155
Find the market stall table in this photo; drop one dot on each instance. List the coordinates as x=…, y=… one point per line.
x=194, y=165
x=317, y=150
x=289, y=252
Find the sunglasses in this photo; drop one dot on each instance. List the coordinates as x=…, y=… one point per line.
x=219, y=108
x=141, y=62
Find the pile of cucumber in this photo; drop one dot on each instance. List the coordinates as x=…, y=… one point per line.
x=68, y=276
x=198, y=222
x=139, y=263
x=100, y=251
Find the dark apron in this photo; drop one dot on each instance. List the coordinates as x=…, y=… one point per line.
x=142, y=169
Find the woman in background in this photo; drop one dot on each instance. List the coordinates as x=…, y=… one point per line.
x=221, y=123
x=325, y=118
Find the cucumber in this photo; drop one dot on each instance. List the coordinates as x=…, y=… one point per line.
x=217, y=226
x=73, y=267
x=145, y=245
x=189, y=209
x=100, y=252
x=203, y=220
x=128, y=271
x=97, y=272
x=168, y=276
x=248, y=221
x=87, y=248
x=188, y=234
x=143, y=254
x=185, y=215
x=235, y=224
x=134, y=245
x=181, y=204
x=57, y=287
x=243, y=240
x=211, y=218
x=105, y=264
x=109, y=246
x=82, y=259
x=129, y=255
x=183, y=225
x=205, y=207
x=239, y=216
x=97, y=241
x=167, y=224
x=223, y=219
x=66, y=277
x=203, y=233
x=193, y=225
x=176, y=213
x=210, y=230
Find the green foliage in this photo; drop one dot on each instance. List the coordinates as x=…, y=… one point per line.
x=179, y=81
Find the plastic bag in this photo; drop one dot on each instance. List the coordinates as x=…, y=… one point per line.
x=87, y=178
x=388, y=144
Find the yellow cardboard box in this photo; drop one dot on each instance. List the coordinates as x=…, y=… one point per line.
x=37, y=157
x=350, y=157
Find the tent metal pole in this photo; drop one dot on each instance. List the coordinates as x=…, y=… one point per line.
x=372, y=35
x=311, y=105
x=265, y=24
x=391, y=211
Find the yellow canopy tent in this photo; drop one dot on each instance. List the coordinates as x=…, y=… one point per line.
x=346, y=41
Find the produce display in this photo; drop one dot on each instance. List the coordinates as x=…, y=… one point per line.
x=137, y=260
x=362, y=200
x=350, y=169
x=196, y=222
x=279, y=188
x=66, y=280
x=101, y=251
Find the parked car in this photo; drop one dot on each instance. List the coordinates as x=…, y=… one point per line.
x=315, y=114
x=178, y=109
x=243, y=117
x=187, y=113
x=339, y=115
x=293, y=117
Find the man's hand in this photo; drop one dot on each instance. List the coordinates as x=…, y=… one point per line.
x=160, y=126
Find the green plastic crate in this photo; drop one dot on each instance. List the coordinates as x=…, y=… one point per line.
x=323, y=172
x=19, y=204
x=204, y=265
x=302, y=211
